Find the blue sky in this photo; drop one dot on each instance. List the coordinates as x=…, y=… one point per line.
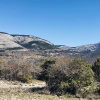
x=62, y=22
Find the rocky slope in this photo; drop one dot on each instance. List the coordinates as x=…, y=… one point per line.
x=7, y=41
x=23, y=42
x=82, y=49
x=27, y=42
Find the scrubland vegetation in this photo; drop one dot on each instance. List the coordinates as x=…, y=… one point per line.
x=66, y=78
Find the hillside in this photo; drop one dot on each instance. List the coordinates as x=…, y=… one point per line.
x=27, y=42
x=44, y=48
x=82, y=49
x=23, y=42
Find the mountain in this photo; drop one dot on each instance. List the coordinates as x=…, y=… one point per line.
x=31, y=43
x=82, y=49
x=23, y=42
x=27, y=42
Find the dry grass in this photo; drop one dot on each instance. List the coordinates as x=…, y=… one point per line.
x=17, y=84
x=27, y=96
x=31, y=96
x=20, y=93
x=34, y=96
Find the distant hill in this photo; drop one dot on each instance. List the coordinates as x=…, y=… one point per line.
x=88, y=52
x=82, y=49
x=23, y=42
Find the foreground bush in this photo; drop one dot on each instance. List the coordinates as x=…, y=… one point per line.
x=25, y=78
x=11, y=70
x=67, y=76
x=98, y=89
x=96, y=69
x=45, y=65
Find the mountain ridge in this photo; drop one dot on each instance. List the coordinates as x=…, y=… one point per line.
x=83, y=48
x=23, y=42
x=29, y=42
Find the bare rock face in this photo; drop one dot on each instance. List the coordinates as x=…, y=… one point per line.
x=7, y=41
x=23, y=42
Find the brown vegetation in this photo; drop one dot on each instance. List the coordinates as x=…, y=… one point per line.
x=62, y=75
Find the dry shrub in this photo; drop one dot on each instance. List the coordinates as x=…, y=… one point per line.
x=66, y=76
x=12, y=69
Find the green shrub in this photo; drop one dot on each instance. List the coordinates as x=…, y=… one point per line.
x=96, y=69
x=98, y=89
x=25, y=78
x=85, y=91
x=45, y=65
x=66, y=76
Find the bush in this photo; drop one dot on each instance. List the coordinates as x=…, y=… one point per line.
x=2, y=63
x=86, y=91
x=25, y=78
x=67, y=76
x=11, y=70
x=96, y=69
x=45, y=65
x=98, y=89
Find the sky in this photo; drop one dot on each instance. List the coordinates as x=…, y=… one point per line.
x=62, y=22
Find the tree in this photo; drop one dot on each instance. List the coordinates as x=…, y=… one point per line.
x=45, y=65
x=67, y=76
x=96, y=68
